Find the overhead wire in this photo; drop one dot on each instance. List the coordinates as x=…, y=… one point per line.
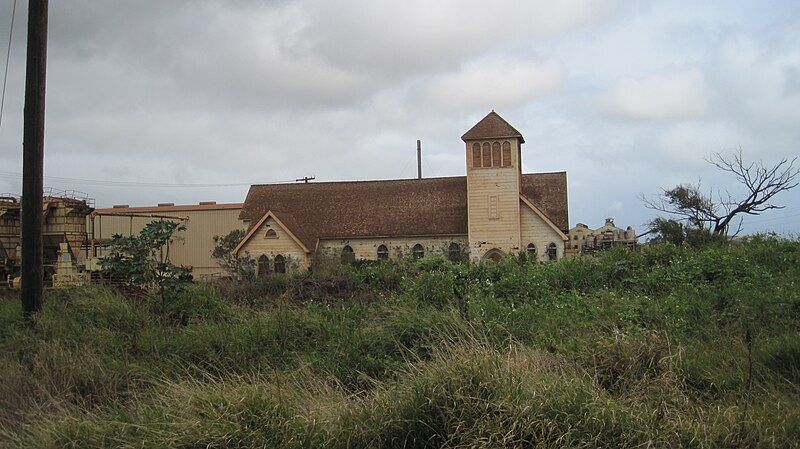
x=772, y=218
x=98, y=182
x=403, y=168
x=8, y=58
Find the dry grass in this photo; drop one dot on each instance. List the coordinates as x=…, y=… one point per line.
x=626, y=350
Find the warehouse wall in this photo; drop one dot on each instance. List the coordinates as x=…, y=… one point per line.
x=191, y=248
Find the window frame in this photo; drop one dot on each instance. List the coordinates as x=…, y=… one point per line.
x=279, y=264
x=454, y=252
x=506, y=161
x=496, y=160
x=552, y=252
x=262, y=266
x=383, y=252
x=486, y=160
x=531, y=251
x=418, y=251
x=347, y=256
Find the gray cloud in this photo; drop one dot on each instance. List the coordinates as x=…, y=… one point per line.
x=627, y=97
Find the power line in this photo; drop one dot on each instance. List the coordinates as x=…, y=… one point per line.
x=8, y=58
x=97, y=182
x=786, y=218
x=773, y=214
x=403, y=169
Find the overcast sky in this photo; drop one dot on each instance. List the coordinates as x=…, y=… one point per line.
x=627, y=97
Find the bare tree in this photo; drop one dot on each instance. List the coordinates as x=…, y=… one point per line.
x=716, y=210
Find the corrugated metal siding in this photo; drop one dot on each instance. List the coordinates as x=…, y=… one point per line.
x=191, y=247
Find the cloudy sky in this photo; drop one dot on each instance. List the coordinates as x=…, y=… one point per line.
x=627, y=97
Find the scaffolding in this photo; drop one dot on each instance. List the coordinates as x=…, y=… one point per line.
x=64, y=215
x=9, y=236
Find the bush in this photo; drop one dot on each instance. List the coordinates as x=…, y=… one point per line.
x=617, y=350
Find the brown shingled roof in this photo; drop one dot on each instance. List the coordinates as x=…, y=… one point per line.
x=492, y=127
x=548, y=192
x=406, y=207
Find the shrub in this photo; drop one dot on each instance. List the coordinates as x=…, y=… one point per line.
x=143, y=260
x=615, y=350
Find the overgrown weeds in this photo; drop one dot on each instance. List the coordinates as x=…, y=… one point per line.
x=620, y=350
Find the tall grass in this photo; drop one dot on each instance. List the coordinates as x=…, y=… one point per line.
x=620, y=350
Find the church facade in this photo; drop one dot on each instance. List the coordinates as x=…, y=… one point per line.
x=492, y=211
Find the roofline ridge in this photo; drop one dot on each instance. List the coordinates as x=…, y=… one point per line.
x=518, y=134
x=218, y=206
x=546, y=172
x=361, y=181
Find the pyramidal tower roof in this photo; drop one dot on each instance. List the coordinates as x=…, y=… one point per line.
x=492, y=127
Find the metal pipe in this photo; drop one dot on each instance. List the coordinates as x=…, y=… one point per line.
x=419, y=159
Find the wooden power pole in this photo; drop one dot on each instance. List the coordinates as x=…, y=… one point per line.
x=33, y=159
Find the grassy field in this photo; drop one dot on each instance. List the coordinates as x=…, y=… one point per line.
x=671, y=347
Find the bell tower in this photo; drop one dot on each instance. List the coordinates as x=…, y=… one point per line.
x=494, y=167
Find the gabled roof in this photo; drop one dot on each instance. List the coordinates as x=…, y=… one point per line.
x=526, y=202
x=492, y=127
x=407, y=207
x=253, y=229
x=548, y=192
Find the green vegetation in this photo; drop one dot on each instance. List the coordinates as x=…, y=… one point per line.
x=143, y=261
x=671, y=347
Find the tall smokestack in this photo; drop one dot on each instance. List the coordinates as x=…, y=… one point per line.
x=419, y=159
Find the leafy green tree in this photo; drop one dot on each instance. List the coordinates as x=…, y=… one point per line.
x=238, y=266
x=677, y=233
x=143, y=260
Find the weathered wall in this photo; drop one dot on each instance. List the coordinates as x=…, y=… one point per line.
x=282, y=243
x=493, y=225
x=582, y=237
x=537, y=231
x=64, y=220
x=399, y=247
x=191, y=247
x=9, y=233
x=578, y=236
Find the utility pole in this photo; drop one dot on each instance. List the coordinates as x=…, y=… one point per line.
x=33, y=159
x=419, y=159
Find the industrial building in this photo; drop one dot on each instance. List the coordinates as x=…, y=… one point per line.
x=76, y=235
x=583, y=239
x=205, y=223
x=64, y=215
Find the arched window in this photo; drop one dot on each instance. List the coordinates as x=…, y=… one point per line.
x=271, y=234
x=552, y=251
x=493, y=255
x=476, y=155
x=506, y=154
x=496, y=154
x=487, y=154
x=530, y=251
x=348, y=256
x=280, y=264
x=418, y=251
x=454, y=252
x=383, y=251
x=263, y=266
